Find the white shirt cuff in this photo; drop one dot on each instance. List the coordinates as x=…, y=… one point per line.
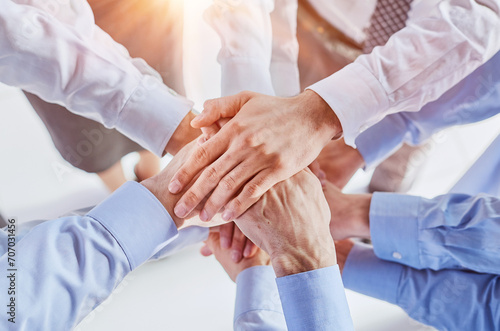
x=356, y=97
x=152, y=114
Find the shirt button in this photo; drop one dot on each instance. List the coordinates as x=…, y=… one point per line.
x=397, y=255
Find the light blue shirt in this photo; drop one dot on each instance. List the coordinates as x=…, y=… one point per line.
x=447, y=299
x=313, y=300
x=447, y=251
x=455, y=230
x=474, y=99
x=66, y=267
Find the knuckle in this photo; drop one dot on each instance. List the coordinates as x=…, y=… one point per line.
x=228, y=183
x=212, y=174
x=236, y=204
x=253, y=189
x=201, y=155
x=191, y=198
x=182, y=175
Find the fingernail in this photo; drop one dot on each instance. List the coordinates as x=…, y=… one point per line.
x=323, y=182
x=174, y=187
x=321, y=174
x=235, y=256
x=227, y=215
x=224, y=243
x=247, y=251
x=180, y=210
x=204, y=216
x=201, y=140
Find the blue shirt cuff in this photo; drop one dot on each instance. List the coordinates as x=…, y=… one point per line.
x=366, y=274
x=315, y=300
x=256, y=290
x=394, y=227
x=381, y=140
x=137, y=220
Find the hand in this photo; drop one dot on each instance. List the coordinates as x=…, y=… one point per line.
x=224, y=256
x=232, y=237
x=339, y=162
x=290, y=222
x=269, y=140
x=183, y=135
x=350, y=213
x=158, y=186
x=343, y=249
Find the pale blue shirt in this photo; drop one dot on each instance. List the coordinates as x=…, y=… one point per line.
x=447, y=299
x=475, y=98
x=66, y=267
x=313, y=300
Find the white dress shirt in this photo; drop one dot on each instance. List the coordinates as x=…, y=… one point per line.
x=441, y=45
x=54, y=49
x=416, y=66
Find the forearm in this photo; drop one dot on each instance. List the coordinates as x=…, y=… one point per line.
x=245, y=31
x=285, y=48
x=315, y=300
x=258, y=306
x=472, y=100
x=444, y=49
x=87, y=74
x=447, y=299
x=449, y=231
x=72, y=264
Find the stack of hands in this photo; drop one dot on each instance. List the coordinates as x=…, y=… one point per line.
x=244, y=187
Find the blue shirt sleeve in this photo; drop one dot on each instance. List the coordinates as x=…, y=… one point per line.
x=473, y=99
x=66, y=267
x=315, y=300
x=258, y=305
x=453, y=231
x=446, y=299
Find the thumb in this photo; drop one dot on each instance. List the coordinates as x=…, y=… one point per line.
x=216, y=109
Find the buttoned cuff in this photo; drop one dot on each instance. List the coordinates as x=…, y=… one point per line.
x=315, y=299
x=137, y=220
x=256, y=290
x=245, y=74
x=187, y=237
x=394, y=227
x=366, y=274
x=357, y=98
x=381, y=140
x=152, y=114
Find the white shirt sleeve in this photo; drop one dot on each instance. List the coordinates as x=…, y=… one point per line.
x=77, y=65
x=416, y=66
x=284, y=67
x=244, y=28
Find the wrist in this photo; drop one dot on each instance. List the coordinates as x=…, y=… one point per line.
x=359, y=218
x=183, y=135
x=323, y=117
x=296, y=259
x=159, y=190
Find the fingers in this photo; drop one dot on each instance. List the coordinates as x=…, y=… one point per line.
x=316, y=169
x=232, y=182
x=208, y=180
x=239, y=241
x=251, y=193
x=250, y=249
x=211, y=244
x=206, y=251
x=201, y=157
x=226, y=235
x=216, y=109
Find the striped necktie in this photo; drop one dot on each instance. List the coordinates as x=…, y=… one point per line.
x=388, y=18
